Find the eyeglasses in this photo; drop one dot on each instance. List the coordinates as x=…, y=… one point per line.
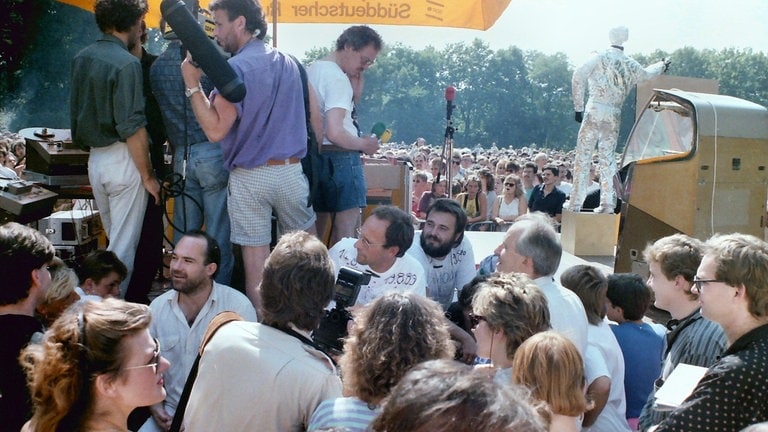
x=154, y=361
x=474, y=320
x=698, y=283
x=510, y=184
x=456, y=161
x=366, y=61
x=366, y=242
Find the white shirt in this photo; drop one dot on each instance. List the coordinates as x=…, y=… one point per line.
x=604, y=358
x=445, y=277
x=566, y=312
x=406, y=274
x=179, y=341
x=333, y=91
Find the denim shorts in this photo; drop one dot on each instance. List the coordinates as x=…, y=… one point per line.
x=342, y=183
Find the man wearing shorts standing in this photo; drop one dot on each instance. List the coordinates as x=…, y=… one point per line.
x=263, y=137
x=338, y=79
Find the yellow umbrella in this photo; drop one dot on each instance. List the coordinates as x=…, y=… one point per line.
x=471, y=14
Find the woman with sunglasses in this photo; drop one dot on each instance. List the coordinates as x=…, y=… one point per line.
x=95, y=365
x=511, y=204
x=508, y=308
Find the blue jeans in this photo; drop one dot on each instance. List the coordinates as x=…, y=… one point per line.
x=204, y=200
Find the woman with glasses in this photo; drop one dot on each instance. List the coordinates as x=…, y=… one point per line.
x=95, y=365
x=508, y=308
x=508, y=206
x=394, y=333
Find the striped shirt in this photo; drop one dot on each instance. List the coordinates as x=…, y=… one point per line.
x=695, y=341
x=350, y=414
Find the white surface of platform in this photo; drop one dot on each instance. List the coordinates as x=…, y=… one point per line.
x=484, y=243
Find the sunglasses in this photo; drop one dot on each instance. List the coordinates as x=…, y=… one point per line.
x=474, y=320
x=509, y=184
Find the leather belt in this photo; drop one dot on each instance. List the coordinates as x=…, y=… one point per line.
x=289, y=161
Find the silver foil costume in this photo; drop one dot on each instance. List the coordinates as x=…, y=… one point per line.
x=609, y=75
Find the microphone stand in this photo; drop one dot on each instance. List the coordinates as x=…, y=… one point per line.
x=448, y=142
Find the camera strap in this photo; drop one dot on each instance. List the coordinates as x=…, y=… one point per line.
x=303, y=339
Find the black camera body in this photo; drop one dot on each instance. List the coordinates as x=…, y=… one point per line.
x=333, y=327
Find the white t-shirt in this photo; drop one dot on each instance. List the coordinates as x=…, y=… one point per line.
x=406, y=274
x=604, y=358
x=334, y=90
x=566, y=312
x=447, y=276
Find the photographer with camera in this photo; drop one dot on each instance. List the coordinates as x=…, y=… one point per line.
x=380, y=252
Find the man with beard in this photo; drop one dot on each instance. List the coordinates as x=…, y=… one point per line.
x=444, y=252
x=181, y=315
x=448, y=261
x=107, y=118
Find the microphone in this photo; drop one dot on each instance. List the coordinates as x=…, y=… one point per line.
x=450, y=93
x=378, y=130
x=203, y=50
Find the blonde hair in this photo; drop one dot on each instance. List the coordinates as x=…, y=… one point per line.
x=551, y=367
x=518, y=184
x=63, y=281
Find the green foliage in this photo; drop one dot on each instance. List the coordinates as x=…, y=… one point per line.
x=509, y=97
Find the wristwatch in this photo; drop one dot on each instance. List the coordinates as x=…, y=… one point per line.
x=190, y=91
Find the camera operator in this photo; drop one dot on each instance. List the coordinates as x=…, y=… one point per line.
x=380, y=252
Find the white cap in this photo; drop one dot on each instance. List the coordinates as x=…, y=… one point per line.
x=618, y=35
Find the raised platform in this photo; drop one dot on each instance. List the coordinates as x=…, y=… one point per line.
x=589, y=233
x=484, y=243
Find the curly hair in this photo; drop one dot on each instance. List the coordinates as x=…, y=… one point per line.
x=298, y=282
x=445, y=395
x=83, y=343
x=551, y=367
x=118, y=15
x=391, y=335
x=512, y=303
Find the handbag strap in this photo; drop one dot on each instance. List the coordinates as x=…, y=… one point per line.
x=216, y=323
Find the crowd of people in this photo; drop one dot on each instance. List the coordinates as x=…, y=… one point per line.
x=433, y=342
x=567, y=356
x=13, y=155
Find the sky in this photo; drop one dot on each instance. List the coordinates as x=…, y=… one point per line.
x=577, y=27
